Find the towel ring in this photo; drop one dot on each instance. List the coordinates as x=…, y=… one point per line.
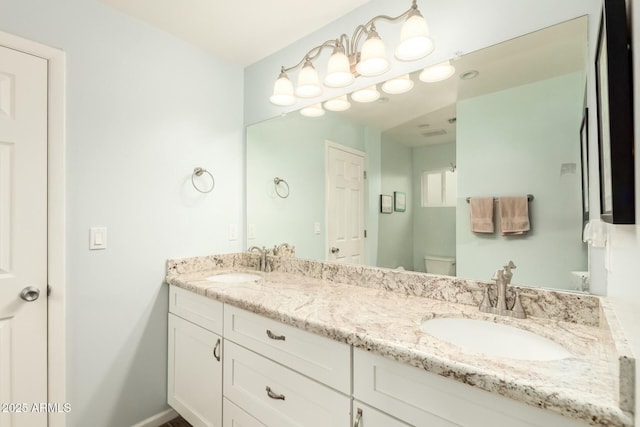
x=199, y=172
x=284, y=193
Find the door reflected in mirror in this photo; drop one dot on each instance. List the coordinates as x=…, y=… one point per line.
x=507, y=123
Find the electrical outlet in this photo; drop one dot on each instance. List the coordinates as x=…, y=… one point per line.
x=316, y=228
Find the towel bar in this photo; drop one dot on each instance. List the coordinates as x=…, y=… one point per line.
x=495, y=199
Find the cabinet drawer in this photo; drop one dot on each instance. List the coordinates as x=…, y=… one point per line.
x=277, y=396
x=236, y=417
x=318, y=357
x=424, y=399
x=369, y=417
x=195, y=308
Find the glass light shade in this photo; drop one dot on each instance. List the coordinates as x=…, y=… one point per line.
x=368, y=94
x=283, y=91
x=314, y=110
x=340, y=103
x=338, y=70
x=308, y=82
x=437, y=73
x=373, y=58
x=415, y=42
x=398, y=85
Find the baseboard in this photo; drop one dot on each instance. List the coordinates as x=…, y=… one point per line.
x=158, y=419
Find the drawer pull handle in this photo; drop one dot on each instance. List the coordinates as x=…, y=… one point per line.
x=216, y=350
x=358, y=418
x=273, y=395
x=275, y=337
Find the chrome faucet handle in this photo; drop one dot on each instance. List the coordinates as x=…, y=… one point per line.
x=508, y=274
x=498, y=276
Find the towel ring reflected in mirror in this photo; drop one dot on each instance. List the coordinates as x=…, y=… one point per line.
x=281, y=191
x=197, y=172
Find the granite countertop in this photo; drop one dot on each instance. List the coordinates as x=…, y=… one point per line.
x=588, y=386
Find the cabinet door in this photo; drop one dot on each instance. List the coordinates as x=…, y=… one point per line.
x=236, y=417
x=195, y=373
x=366, y=416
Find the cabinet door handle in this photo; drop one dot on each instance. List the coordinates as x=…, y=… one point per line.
x=358, y=418
x=216, y=350
x=275, y=337
x=273, y=395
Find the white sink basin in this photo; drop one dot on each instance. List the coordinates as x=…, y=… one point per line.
x=234, y=278
x=494, y=339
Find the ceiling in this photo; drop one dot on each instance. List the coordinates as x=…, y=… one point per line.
x=240, y=32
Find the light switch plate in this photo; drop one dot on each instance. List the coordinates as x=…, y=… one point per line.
x=233, y=232
x=251, y=231
x=97, y=238
x=316, y=228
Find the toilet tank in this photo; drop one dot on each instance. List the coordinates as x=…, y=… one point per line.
x=445, y=266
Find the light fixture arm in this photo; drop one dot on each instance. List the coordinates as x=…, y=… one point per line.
x=350, y=46
x=314, y=53
x=366, y=28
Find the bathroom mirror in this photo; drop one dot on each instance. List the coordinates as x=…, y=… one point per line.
x=506, y=123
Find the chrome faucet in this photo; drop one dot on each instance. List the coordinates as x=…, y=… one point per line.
x=264, y=265
x=502, y=278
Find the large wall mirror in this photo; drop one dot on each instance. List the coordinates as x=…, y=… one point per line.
x=506, y=123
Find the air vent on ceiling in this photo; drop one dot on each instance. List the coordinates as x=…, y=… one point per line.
x=434, y=133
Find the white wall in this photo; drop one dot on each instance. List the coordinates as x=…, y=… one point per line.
x=143, y=109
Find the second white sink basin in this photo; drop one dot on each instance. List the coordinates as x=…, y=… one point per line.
x=494, y=339
x=234, y=278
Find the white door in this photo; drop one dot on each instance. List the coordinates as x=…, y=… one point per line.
x=345, y=204
x=23, y=239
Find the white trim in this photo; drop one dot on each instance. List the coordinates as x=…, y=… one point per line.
x=344, y=148
x=57, y=390
x=158, y=419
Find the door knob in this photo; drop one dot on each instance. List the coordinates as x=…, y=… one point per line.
x=30, y=293
x=335, y=250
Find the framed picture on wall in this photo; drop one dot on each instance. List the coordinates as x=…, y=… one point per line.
x=615, y=116
x=386, y=204
x=399, y=201
x=584, y=160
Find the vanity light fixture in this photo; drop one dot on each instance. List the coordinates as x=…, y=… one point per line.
x=340, y=103
x=314, y=110
x=367, y=94
x=350, y=59
x=437, y=73
x=398, y=85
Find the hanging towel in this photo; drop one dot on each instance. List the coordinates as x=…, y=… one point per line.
x=481, y=214
x=514, y=215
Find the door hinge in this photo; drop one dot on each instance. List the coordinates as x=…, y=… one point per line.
x=48, y=290
x=364, y=174
x=365, y=234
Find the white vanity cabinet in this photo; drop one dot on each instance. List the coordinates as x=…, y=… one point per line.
x=366, y=416
x=284, y=376
x=423, y=399
x=195, y=358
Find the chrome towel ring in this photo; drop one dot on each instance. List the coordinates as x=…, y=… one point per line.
x=199, y=172
x=282, y=192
